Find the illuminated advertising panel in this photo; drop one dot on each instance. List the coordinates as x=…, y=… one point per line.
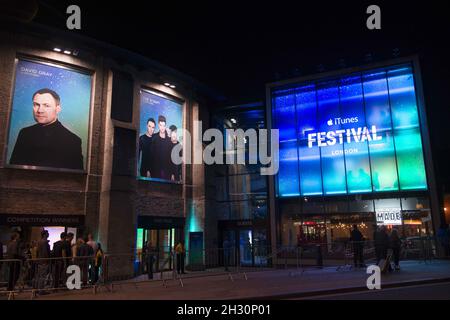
x=160, y=131
x=49, y=117
x=355, y=134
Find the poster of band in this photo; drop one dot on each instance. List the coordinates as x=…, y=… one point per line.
x=160, y=131
x=50, y=117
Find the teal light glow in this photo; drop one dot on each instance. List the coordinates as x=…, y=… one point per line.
x=193, y=222
x=139, y=238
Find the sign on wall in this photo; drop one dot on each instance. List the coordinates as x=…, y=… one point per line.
x=49, y=118
x=389, y=216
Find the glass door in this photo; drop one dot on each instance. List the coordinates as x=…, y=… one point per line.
x=165, y=248
x=246, y=247
x=260, y=247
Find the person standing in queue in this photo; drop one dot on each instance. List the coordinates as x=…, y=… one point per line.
x=59, y=252
x=150, y=253
x=84, y=255
x=357, y=240
x=180, y=251
x=98, y=261
x=14, y=266
x=43, y=266
x=395, y=244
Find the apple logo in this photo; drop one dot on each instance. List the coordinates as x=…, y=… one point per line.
x=330, y=122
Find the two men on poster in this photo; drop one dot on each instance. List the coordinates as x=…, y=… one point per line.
x=160, y=132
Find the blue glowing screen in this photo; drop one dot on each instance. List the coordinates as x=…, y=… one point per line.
x=355, y=134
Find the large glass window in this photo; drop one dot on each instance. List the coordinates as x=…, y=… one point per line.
x=240, y=190
x=309, y=157
x=353, y=134
x=288, y=179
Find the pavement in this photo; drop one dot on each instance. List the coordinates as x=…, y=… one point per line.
x=260, y=284
x=430, y=291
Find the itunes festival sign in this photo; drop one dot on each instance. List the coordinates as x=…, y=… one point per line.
x=357, y=133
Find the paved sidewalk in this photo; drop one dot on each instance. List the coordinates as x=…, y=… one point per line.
x=274, y=284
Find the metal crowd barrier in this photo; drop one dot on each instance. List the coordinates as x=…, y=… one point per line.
x=43, y=275
x=37, y=276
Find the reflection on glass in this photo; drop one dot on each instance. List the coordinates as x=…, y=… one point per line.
x=408, y=143
x=357, y=163
x=309, y=157
x=285, y=120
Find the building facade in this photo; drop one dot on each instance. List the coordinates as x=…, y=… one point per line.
x=237, y=193
x=75, y=124
x=86, y=130
x=354, y=149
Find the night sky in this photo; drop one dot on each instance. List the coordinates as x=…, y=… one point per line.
x=237, y=48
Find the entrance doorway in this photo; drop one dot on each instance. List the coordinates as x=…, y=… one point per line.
x=164, y=241
x=248, y=246
x=163, y=233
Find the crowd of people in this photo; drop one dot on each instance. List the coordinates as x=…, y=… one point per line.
x=383, y=243
x=34, y=264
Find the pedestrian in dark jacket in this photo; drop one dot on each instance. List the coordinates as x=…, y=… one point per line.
x=149, y=256
x=85, y=254
x=395, y=244
x=443, y=236
x=98, y=261
x=59, y=252
x=357, y=241
x=381, y=242
x=43, y=266
x=14, y=266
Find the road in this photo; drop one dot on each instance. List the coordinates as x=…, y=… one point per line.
x=439, y=291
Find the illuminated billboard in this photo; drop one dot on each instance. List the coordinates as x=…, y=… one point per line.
x=161, y=120
x=50, y=117
x=357, y=133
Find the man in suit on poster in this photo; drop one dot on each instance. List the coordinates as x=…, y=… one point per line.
x=47, y=143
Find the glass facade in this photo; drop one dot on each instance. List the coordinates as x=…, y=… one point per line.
x=330, y=221
x=354, y=134
x=241, y=191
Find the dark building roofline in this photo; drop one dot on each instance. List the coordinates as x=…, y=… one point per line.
x=111, y=51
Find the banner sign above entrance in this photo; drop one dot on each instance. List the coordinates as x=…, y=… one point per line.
x=41, y=220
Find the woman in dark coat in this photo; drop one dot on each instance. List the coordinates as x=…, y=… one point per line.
x=395, y=244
